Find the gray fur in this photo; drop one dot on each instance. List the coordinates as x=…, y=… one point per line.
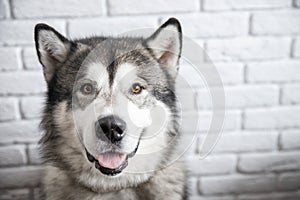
x=69, y=174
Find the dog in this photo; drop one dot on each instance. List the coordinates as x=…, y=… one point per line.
x=110, y=122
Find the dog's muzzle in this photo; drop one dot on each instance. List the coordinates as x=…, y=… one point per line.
x=111, y=163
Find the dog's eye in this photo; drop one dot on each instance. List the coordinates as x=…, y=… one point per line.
x=87, y=88
x=136, y=88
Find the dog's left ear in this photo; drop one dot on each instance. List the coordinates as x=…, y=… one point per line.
x=165, y=44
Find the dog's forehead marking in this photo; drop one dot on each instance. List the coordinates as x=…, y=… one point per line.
x=124, y=77
x=125, y=74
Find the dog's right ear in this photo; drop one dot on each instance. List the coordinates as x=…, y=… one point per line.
x=52, y=48
x=165, y=45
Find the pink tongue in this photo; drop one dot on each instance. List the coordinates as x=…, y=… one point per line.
x=111, y=160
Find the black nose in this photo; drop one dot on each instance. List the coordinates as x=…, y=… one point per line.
x=111, y=127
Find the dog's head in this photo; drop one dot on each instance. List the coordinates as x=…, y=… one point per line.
x=110, y=100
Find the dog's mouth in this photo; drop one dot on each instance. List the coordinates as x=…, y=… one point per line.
x=111, y=163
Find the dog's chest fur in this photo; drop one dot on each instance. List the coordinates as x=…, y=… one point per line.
x=168, y=183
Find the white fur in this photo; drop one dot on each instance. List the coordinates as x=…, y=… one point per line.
x=155, y=119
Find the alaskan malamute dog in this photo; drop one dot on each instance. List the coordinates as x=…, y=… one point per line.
x=110, y=120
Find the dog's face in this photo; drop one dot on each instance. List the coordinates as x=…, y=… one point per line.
x=114, y=95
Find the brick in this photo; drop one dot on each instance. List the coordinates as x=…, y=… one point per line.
x=289, y=181
x=269, y=162
x=189, y=121
x=193, y=186
x=204, y=99
x=290, y=94
x=20, y=32
x=276, y=22
x=8, y=109
x=4, y=9
x=296, y=48
x=123, y=7
x=189, y=76
x=20, y=177
x=22, y=83
x=15, y=194
x=200, y=43
x=237, y=184
x=56, y=8
x=214, y=25
x=248, y=48
x=31, y=107
x=30, y=59
x=290, y=139
x=109, y=26
x=186, y=99
x=214, y=5
x=230, y=73
x=33, y=154
x=10, y=59
x=212, y=164
x=21, y=131
x=242, y=96
x=273, y=196
x=246, y=96
x=273, y=71
x=245, y=141
x=12, y=155
x=226, y=197
x=208, y=73
x=276, y=117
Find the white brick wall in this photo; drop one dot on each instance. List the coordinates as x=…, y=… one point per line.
x=237, y=184
x=56, y=8
x=8, y=109
x=269, y=162
x=273, y=71
x=130, y=7
x=290, y=140
x=10, y=59
x=31, y=107
x=255, y=46
x=20, y=32
x=218, y=5
x=207, y=25
x=288, y=94
x=270, y=118
x=249, y=48
x=107, y=26
x=273, y=23
x=296, y=52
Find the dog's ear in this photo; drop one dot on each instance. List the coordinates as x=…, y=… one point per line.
x=52, y=48
x=165, y=44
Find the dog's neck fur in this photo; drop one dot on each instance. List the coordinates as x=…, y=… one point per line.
x=155, y=187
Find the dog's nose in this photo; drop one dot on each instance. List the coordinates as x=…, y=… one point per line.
x=112, y=127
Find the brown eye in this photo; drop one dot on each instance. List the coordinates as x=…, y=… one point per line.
x=87, y=88
x=136, y=88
